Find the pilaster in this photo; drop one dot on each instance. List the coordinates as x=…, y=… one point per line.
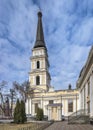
x=91, y=95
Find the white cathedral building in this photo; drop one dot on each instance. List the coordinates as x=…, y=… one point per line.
x=54, y=103
x=85, y=85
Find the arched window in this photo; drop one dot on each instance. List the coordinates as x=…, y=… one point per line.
x=38, y=64
x=37, y=80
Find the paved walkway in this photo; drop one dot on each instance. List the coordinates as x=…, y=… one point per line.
x=65, y=126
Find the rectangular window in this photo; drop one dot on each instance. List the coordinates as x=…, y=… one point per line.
x=50, y=101
x=37, y=80
x=70, y=105
x=36, y=107
x=38, y=64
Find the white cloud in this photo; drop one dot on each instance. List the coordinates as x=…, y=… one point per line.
x=84, y=32
x=66, y=65
x=68, y=35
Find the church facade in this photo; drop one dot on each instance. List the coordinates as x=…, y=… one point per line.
x=85, y=85
x=54, y=103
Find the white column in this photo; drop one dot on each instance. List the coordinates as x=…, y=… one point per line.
x=86, y=94
x=26, y=106
x=79, y=105
x=66, y=107
x=74, y=105
x=30, y=105
x=40, y=79
x=42, y=102
x=59, y=114
x=34, y=80
x=33, y=109
x=91, y=95
x=49, y=114
x=44, y=109
x=82, y=99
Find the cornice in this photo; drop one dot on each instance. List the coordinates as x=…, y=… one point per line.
x=39, y=71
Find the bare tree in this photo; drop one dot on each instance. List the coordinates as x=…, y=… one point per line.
x=2, y=86
x=7, y=97
x=22, y=89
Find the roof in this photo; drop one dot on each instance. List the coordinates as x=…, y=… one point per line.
x=40, y=35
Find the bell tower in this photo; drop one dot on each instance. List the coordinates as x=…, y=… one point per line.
x=39, y=76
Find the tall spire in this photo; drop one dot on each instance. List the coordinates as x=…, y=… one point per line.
x=40, y=36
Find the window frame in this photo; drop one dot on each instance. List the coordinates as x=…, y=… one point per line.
x=70, y=105
x=51, y=101
x=36, y=107
x=38, y=80
x=38, y=64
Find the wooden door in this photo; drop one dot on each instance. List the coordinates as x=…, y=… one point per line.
x=54, y=113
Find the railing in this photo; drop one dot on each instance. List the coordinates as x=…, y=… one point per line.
x=82, y=112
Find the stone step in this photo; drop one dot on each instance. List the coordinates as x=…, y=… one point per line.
x=79, y=120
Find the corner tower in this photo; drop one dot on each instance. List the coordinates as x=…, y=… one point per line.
x=39, y=76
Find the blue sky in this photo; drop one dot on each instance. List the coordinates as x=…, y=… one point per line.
x=68, y=32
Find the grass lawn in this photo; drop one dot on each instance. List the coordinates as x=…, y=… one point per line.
x=18, y=126
x=26, y=126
